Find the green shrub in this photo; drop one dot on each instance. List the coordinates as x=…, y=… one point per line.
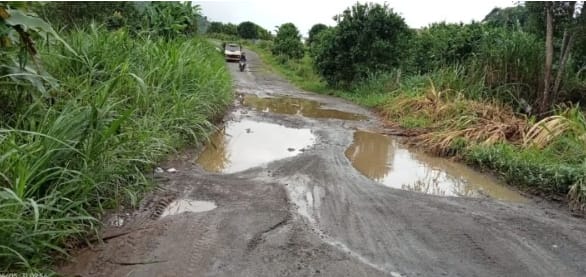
x=369, y=38
x=247, y=30
x=287, y=43
x=263, y=33
x=221, y=28
x=265, y=45
x=443, y=44
x=314, y=31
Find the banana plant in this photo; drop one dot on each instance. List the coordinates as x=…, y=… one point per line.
x=172, y=19
x=19, y=59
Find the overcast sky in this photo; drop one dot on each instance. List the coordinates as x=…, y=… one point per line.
x=305, y=13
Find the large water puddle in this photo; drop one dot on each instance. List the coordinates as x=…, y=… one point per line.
x=245, y=144
x=382, y=159
x=298, y=106
x=188, y=206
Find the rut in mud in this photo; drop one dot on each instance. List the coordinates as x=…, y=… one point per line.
x=297, y=184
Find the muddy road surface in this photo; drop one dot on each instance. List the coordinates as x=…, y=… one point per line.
x=299, y=184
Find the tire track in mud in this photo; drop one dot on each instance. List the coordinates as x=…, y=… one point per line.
x=202, y=244
x=259, y=237
x=414, y=230
x=306, y=202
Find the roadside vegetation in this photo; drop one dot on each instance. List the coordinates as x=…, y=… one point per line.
x=88, y=111
x=505, y=94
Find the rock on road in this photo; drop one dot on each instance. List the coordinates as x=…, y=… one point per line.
x=315, y=215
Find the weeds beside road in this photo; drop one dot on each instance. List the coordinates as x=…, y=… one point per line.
x=121, y=104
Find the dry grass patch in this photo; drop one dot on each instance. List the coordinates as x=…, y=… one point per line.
x=545, y=131
x=451, y=117
x=577, y=196
x=570, y=123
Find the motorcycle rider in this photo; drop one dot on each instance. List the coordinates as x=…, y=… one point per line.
x=242, y=63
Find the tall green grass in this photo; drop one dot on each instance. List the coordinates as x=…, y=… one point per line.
x=537, y=170
x=121, y=105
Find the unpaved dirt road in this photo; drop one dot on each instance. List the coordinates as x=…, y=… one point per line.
x=312, y=213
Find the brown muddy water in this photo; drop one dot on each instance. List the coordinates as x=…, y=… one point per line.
x=244, y=144
x=296, y=106
x=382, y=159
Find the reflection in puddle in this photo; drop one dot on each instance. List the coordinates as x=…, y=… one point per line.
x=245, y=144
x=304, y=107
x=384, y=160
x=186, y=205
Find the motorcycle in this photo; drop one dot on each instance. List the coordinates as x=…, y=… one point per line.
x=242, y=65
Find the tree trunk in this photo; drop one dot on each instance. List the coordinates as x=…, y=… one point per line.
x=565, y=39
x=545, y=98
x=565, y=55
x=567, y=43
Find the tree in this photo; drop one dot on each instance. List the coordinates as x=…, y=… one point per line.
x=215, y=28
x=264, y=34
x=230, y=29
x=563, y=18
x=511, y=17
x=369, y=38
x=288, y=42
x=248, y=30
x=314, y=31
x=221, y=28
x=579, y=50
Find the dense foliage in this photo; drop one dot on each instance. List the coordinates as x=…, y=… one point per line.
x=264, y=34
x=287, y=43
x=515, y=17
x=369, y=38
x=221, y=28
x=96, y=111
x=166, y=19
x=505, y=94
x=69, y=14
x=487, y=54
x=171, y=19
x=314, y=31
x=247, y=30
x=443, y=44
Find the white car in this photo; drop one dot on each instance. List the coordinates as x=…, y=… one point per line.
x=232, y=52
